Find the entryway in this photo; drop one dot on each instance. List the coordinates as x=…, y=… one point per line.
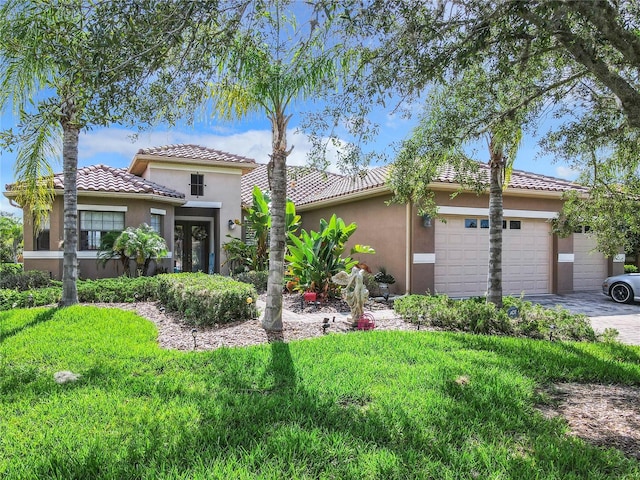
x=191, y=246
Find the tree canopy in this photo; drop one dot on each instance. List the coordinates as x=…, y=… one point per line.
x=68, y=66
x=589, y=54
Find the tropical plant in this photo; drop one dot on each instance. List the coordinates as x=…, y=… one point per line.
x=275, y=62
x=107, y=252
x=315, y=257
x=142, y=244
x=258, y=219
x=382, y=276
x=10, y=238
x=240, y=255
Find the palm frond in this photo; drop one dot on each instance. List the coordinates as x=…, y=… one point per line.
x=33, y=169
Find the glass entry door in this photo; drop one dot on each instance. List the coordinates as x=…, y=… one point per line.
x=191, y=246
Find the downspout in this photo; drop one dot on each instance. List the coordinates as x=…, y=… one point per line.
x=407, y=269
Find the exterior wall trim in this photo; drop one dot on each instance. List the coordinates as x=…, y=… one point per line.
x=59, y=255
x=195, y=167
x=566, y=258
x=202, y=204
x=448, y=210
x=424, y=258
x=157, y=211
x=103, y=208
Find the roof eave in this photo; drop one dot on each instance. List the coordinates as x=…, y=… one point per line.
x=141, y=160
x=344, y=198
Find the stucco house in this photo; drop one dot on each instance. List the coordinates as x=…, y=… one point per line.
x=187, y=193
x=193, y=195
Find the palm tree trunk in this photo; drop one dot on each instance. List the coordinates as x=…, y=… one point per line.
x=272, y=320
x=70, y=168
x=494, y=277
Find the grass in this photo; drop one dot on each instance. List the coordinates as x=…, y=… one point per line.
x=368, y=405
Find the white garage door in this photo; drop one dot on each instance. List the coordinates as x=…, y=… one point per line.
x=462, y=256
x=589, y=267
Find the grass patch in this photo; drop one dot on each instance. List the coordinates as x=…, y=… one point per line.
x=376, y=405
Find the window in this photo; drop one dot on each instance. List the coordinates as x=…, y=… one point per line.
x=504, y=224
x=95, y=225
x=41, y=240
x=515, y=224
x=484, y=223
x=156, y=223
x=470, y=223
x=197, y=184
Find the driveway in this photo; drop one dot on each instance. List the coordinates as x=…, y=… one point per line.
x=603, y=312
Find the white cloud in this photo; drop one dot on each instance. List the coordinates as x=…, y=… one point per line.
x=567, y=172
x=256, y=144
x=5, y=206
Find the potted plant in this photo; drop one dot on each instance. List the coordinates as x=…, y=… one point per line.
x=384, y=279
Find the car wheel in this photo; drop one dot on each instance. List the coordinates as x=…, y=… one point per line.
x=621, y=293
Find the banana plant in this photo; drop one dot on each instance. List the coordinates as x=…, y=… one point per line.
x=314, y=257
x=258, y=219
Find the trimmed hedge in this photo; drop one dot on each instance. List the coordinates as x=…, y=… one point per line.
x=120, y=289
x=106, y=290
x=476, y=316
x=29, y=298
x=257, y=279
x=12, y=277
x=207, y=299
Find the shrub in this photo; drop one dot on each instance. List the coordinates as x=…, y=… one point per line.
x=630, y=269
x=371, y=284
x=30, y=298
x=257, y=279
x=207, y=299
x=120, y=289
x=10, y=269
x=22, y=281
x=476, y=316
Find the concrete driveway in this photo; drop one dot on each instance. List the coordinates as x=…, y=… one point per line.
x=603, y=312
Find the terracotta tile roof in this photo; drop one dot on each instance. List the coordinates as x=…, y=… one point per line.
x=302, y=183
x=319, y=188
x=196, y=152
x=102, y=178
x=345, y=185
x=522, y=180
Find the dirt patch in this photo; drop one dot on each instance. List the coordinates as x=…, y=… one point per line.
x=603, y=415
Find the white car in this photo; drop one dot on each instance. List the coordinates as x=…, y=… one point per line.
x=623, y=288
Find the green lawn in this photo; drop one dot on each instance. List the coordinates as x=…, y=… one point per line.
x=364, y=405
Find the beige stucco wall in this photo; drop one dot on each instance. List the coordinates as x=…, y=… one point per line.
x=383, y=227
x=221, y=185
x=138, y=212
x=379, y=226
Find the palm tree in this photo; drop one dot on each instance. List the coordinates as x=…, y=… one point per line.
x=84, y=63
x=274, y=63
x=456, y=116
x=142, y=244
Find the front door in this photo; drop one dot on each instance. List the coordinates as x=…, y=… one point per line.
x=191, y=246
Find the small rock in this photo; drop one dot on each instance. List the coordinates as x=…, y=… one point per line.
x=65, y=376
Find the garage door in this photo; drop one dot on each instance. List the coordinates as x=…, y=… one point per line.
x=589, y=267
x=462, y=256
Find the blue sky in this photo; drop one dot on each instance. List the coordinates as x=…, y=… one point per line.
x=252, y=138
